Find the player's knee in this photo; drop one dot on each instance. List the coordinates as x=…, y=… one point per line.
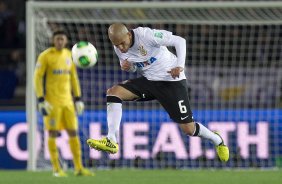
x=188, y=128
x=112, y=91
x=72, y=133
x=121, y=94
x=53, y=133
x=189, y=132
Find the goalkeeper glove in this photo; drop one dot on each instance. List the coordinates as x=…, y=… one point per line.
x=79, y=105
x=44, y=107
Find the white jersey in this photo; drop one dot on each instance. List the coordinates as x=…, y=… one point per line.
x=150, y=55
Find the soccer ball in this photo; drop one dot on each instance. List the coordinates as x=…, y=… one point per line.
x=84, y=54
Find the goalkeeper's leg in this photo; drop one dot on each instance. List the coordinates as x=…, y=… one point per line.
x=71, y=125
x=54, y=156
x=52, y=127
x=76, y=152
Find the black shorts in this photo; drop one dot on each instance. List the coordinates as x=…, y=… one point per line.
x=172, y=95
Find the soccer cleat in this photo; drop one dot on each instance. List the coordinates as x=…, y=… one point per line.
x=222, y=150
x=60, y=173
x=84, y=172
x=104, y=144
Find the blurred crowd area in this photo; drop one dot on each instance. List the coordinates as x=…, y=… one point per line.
x=12, y=53
x=13, y=59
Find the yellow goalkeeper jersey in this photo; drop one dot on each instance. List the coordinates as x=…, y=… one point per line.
x=55, y=77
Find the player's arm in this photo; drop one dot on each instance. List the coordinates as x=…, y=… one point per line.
x=39, y=74
x=180, y=46
x=127, y=66
x=79, y=105
x=38, y=78
x=166, y=38
x=75, y=82
x=124, y=62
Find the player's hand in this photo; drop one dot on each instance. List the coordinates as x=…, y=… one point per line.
x=79, y=106
x=126, y=65
x=44, y=107
x=175, y=72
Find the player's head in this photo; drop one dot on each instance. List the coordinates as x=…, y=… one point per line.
x=120, y=37
x=59, y=39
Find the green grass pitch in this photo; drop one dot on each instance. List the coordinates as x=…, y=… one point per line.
x=131, y=176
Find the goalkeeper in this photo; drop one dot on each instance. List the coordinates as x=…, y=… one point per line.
x=163, y=79
x=55, y=80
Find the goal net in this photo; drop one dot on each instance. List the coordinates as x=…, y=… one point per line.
x=234, y=70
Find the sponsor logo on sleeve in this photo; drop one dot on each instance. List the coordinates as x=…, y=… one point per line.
x=158, y=35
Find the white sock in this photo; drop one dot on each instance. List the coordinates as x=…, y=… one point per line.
x=206, y=133
x=114, y=113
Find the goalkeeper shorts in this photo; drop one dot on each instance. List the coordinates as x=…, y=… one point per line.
x=61, y=117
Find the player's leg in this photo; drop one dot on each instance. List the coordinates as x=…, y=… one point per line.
x=69, y=120
x=51, y=125
x=115, y=96
x=127, y=91
x=197, y=129
x=174, y=98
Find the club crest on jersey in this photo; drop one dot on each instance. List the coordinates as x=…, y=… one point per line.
x=158, y=35
x=142, y=51
x=68, y=61
x=52, y=122
x=38, y=65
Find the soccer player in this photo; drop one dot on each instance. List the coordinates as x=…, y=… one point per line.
x=145, y=50
x=55, y=80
